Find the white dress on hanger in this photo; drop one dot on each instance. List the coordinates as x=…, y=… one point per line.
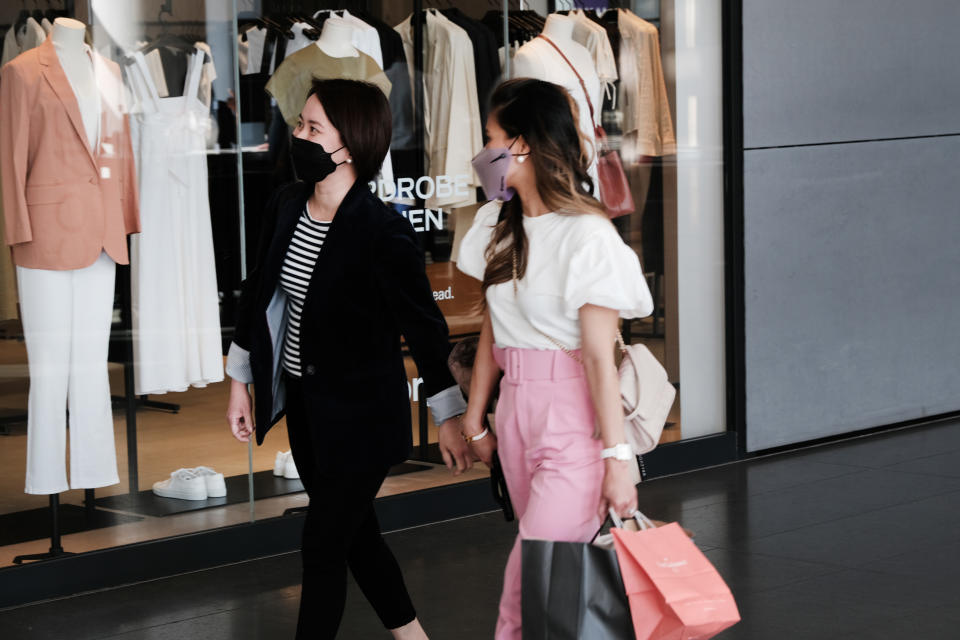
x=176, y=314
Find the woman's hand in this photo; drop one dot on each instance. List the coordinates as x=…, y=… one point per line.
x=456, y=454
x=238, y=412
x=618, y=492
x=485, y=446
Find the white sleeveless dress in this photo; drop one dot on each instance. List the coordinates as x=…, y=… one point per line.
x=176, y=315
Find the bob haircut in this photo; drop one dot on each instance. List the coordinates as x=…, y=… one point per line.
x=361, y=113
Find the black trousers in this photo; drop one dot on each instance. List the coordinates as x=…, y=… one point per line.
x=341, y=530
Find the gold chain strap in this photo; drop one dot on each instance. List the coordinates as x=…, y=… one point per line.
x=557, y=343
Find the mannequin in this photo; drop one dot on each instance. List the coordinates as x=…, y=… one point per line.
x=336, y=39
x=76, y=59
x=537, y=59
x=69, y=199
x=559, y=28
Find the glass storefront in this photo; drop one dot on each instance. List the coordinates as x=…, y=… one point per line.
x=162, y=121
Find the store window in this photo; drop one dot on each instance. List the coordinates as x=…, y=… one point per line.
x=662, y=111
x=434, y=64
x=174, y=110
x=183, y=104
x=119, y=212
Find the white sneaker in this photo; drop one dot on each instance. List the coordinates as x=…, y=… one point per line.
x=290, y=470
x=280, y=464
x=216, y=485
x=183, y=484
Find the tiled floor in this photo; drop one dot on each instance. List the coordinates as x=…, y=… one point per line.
x=851, y=540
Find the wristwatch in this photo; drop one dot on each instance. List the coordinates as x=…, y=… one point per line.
x=621, y=451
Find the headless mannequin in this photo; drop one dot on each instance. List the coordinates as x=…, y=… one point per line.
x=559, y=28
x=537, y=59
x=77, y=61
x=336, y=39
x=67, y=340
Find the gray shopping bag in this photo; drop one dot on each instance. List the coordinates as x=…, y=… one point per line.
x=572, y=591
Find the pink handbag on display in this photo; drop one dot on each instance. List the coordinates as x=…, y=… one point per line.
x=673, y=590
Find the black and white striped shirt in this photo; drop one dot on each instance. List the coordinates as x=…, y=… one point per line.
x=295, y=278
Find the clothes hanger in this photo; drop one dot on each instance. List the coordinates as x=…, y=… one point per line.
x=309, y=19
x=527, y=26
x=169, y=41
x=22, y=17
x=181, y=43
x=275, y=25
x=311, y=26
x=166, y=7
x=244, y=28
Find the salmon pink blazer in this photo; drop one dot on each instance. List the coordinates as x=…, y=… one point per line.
x=63, y=202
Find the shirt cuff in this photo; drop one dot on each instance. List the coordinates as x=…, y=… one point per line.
x=447, y=404
x=238, y=364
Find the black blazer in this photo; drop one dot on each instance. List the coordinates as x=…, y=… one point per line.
x=369, y=287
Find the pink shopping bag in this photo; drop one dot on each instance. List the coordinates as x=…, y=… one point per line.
x=674, y=591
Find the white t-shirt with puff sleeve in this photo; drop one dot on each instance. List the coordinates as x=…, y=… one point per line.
x=573, y=260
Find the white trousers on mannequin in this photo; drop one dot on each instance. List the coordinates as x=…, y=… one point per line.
x=66, y=325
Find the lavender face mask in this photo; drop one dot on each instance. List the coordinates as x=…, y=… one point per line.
x=491, y=166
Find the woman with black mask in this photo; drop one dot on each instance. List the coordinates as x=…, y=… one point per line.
x=340, y=278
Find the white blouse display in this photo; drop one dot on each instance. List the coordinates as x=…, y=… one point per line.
x=573, y=260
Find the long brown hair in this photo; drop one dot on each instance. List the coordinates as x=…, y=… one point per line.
x=546, y=116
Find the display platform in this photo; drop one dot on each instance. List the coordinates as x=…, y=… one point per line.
x=24, y=526
x=265, y=485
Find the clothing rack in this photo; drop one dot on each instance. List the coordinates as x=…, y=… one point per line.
x=586, y=5
x=282, y=7
x=174, y=23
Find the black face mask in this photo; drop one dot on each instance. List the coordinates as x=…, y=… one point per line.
x=311, y=162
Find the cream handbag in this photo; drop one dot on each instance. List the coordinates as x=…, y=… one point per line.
x=646, y=394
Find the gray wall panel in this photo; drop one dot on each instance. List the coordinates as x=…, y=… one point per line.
x=852, y=275
x=828, y=71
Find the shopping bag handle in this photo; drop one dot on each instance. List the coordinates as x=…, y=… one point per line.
x=642, y=521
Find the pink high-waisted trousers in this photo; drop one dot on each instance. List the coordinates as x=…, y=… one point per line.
x=551, y=462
